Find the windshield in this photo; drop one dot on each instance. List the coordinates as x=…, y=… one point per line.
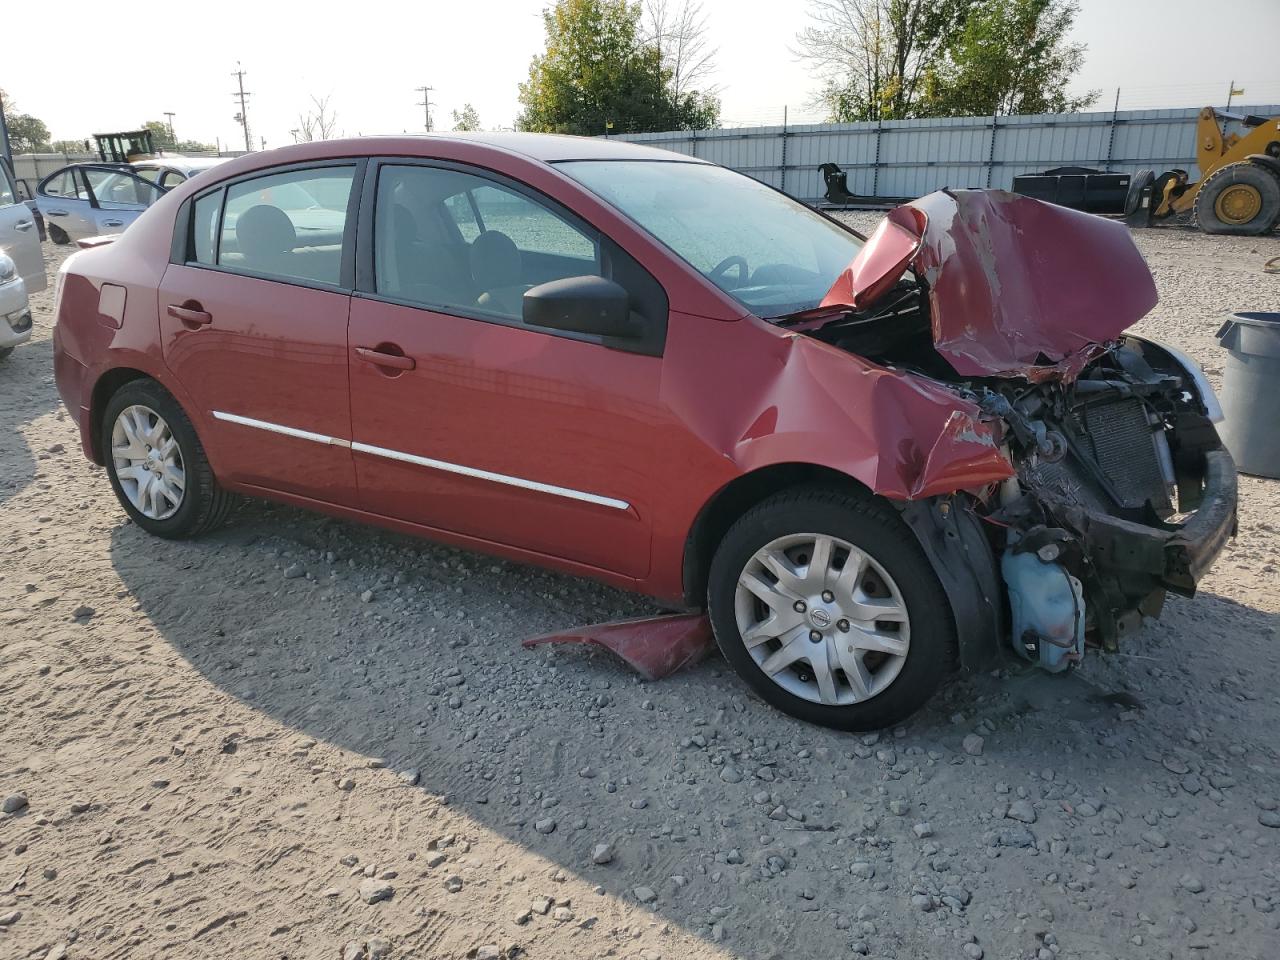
x=771, y=253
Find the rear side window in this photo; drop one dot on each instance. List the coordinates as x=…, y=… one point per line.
x=285, y=225
x=59, y=185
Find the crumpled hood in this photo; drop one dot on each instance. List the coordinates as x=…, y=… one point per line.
x=1017, y=287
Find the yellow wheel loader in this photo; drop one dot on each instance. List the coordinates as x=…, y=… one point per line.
x=1239, y=187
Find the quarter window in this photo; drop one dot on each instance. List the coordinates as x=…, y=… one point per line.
x=455, y=241
x=204, y=226
x=286, y=225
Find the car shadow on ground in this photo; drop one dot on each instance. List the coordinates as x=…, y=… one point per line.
x=24, y=397
x=429, y=676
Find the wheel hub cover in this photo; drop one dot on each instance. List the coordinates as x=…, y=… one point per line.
x=1239, y=203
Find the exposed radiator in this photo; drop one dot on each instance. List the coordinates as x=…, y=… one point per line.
x=1123, y=445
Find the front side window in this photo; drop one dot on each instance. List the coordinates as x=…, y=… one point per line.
x=453, y=240
x=287, y=224
x=771, y=253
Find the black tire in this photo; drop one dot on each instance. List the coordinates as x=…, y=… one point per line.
x=4, y=352
x=875, y=528
x=204, y=504
x=1133, y=199
x=1254, y=175
x=58, y=235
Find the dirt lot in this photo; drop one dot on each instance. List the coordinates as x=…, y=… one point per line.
x=227, y=747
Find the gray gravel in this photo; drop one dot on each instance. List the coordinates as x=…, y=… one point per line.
x=1128, y=810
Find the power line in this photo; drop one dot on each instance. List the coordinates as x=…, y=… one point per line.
x=242, y=117
x=426, y=104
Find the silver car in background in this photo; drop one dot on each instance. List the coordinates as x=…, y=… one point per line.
x=19, y=237
x=95, y=199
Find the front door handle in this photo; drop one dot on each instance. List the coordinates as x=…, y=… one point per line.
x=23, y=225
x=190, y=312
x=381, y=359
x=57, y=213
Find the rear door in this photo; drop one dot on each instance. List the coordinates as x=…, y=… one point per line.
x=466, y=420
x=253, y=319
x=18, y=235
x=63, y=198
x=117, y=198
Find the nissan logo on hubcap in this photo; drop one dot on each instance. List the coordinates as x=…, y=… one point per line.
x=820, y=618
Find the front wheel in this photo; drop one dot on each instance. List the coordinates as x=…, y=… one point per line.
x=157, y=465
x=826, y=606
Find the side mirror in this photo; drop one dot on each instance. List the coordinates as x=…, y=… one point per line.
x=581, y=304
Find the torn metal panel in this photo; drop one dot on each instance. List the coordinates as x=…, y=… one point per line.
x=655, y=646
x=1016, y=287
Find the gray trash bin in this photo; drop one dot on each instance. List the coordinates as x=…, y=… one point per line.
x=1251, y=392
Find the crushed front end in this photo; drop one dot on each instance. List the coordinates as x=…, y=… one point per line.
x=1123, y=492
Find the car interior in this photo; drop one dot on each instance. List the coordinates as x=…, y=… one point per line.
x=449, y=239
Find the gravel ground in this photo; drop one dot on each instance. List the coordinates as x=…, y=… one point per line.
x=300, y=738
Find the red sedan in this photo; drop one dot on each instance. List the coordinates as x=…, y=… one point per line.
x=868, y=460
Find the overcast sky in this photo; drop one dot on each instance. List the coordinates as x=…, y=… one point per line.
x=369, y=57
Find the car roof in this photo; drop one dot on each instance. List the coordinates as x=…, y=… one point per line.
x=554, y=147
x=180, y=163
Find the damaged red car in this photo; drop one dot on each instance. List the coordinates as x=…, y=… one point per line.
x=869, y=460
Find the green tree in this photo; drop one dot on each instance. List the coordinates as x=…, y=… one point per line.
x=468, y=118
x=874, y=57
x=896, y=59
x=1012, y=56
x=27, y=134
x=161, y=135
x=600, y=74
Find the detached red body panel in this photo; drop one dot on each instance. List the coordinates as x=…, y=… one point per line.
x=655, y=646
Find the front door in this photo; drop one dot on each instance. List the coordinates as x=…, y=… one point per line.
x=19, y=237
x=466, y=420
x=254, y=325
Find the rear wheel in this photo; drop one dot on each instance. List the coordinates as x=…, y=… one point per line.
x=1241, y=199
x=58, y=235
x=825, y=605
x=157, y=465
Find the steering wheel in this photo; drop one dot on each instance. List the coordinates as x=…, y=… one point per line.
x=723, y=267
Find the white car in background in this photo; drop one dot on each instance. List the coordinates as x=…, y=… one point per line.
x=95, y=199
x=21, y=265
x=15, y=310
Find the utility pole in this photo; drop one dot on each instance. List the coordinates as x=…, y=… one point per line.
x=170, y=114
x=426, y=103
x=242, y=117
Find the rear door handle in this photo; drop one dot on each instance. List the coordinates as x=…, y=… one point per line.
x=193, y=314
x=381, y=359
x=23, y=225
x=113, y=223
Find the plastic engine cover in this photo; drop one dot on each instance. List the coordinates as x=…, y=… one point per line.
x=1047, y=607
